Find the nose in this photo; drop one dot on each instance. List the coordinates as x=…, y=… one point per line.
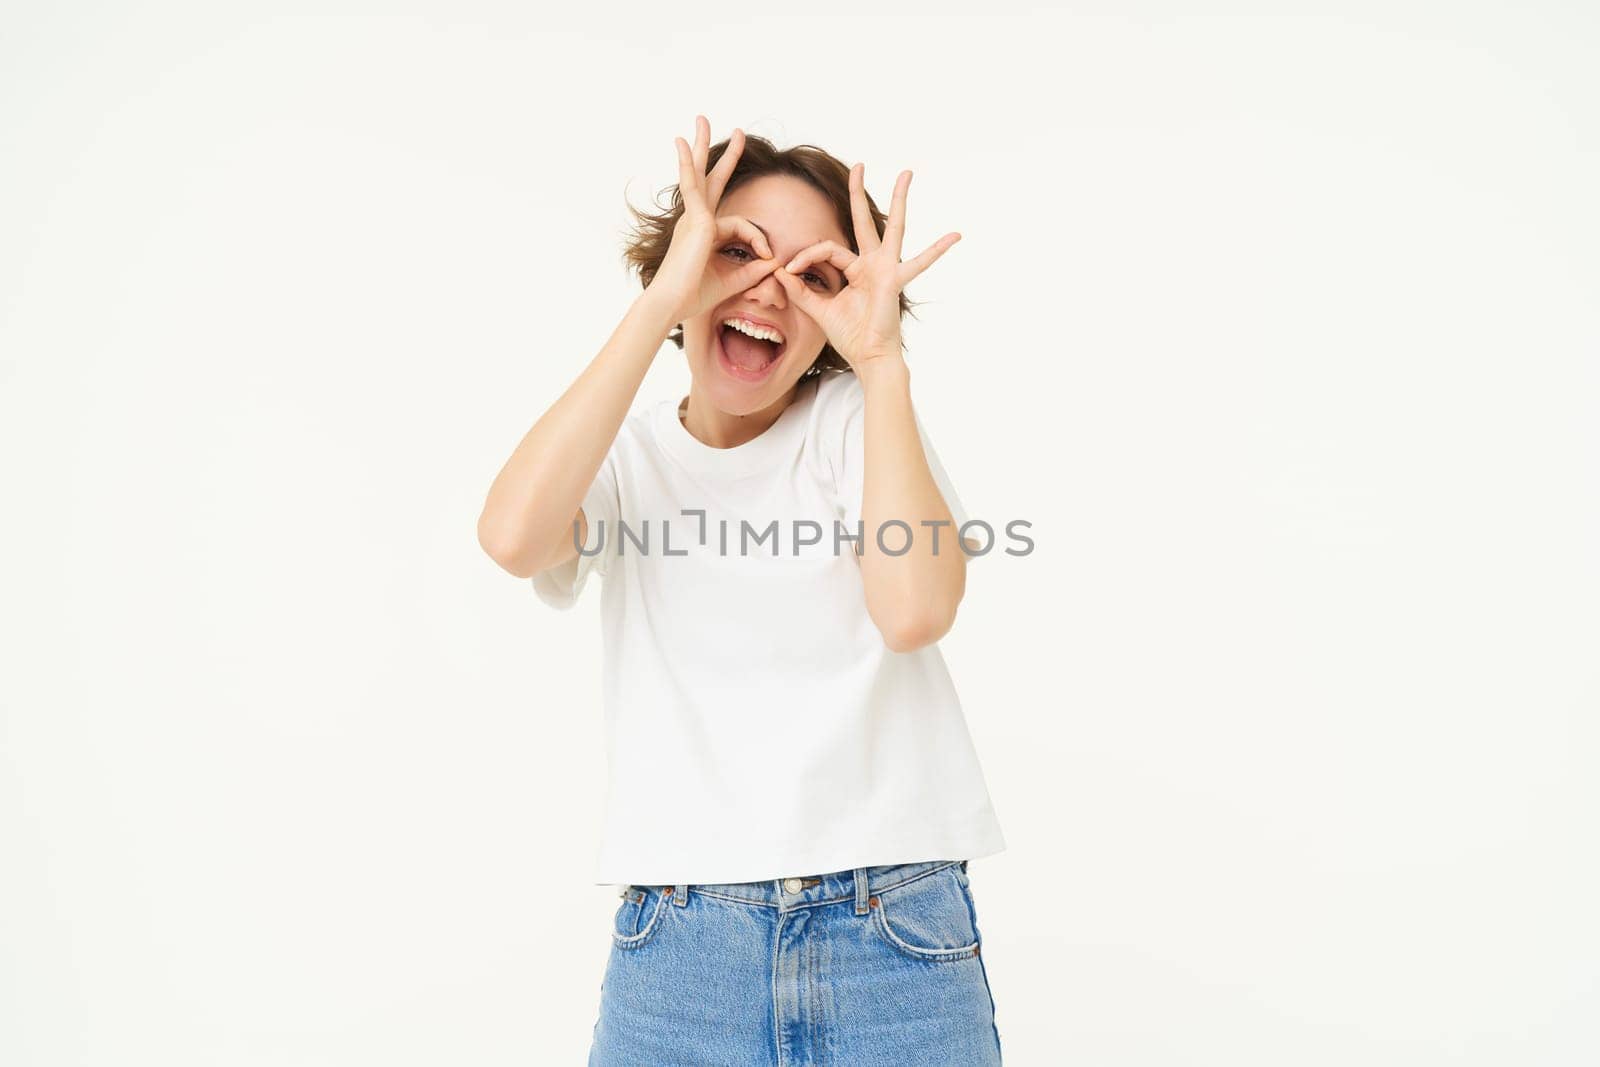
x=768, y=291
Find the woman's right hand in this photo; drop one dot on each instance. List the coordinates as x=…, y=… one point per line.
x=687, y=282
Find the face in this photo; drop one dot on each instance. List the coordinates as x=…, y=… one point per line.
x=794, y=217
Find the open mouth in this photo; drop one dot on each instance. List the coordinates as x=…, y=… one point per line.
x=747, y=358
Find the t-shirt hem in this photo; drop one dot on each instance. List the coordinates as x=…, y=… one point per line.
x=802, y=865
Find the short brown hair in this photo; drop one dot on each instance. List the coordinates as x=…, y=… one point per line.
x=647, y=242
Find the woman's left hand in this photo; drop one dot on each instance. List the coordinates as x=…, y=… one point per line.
x=862, y=320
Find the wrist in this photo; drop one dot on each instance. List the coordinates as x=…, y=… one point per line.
x=653, y=309
x=883, y=372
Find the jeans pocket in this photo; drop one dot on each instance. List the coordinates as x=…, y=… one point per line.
x=929, y=918
x=639, y=915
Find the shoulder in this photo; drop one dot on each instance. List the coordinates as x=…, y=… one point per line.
x=636, y=444
x=642, y=420
x=834, y=386
x=839, y=396
x=835, y=414
x=641, y=427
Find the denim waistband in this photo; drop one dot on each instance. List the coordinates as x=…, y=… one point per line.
x=811, y=890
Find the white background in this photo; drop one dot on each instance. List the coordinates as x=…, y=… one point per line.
x=1278, y=326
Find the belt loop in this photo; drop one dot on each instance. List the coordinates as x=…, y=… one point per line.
x=861, y=890
x=680, y=895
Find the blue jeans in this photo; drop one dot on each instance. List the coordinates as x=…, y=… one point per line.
x=880, y=965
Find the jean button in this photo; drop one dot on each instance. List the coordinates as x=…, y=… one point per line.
x=792, y=885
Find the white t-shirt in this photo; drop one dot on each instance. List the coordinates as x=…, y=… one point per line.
x=757, y=726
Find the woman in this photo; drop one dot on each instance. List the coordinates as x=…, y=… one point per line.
x=793, y=795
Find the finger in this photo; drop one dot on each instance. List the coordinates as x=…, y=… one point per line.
x=688, y=183
x=750, y=275
x=742, y=228
x=894, y=233
x=720, y=174
x=823, y=251
x=913, y=267
x=811, y=304
x=861, y=211
x=702, y=143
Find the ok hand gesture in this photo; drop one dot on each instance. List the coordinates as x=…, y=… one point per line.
x=862, y=320
x=683, y=281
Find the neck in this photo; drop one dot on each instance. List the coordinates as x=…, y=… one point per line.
x=717, y=428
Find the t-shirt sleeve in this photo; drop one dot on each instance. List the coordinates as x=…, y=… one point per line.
x=851, y=474
x=561, y=585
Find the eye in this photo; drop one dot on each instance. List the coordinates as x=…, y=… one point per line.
x=740, y=254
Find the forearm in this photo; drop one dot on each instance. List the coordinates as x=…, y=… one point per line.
x=912, y=597
x=534, y=499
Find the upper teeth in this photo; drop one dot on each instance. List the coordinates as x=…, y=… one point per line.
x=751, y=329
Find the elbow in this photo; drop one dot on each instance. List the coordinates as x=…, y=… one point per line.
x=914, y=632
x=504, y=549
